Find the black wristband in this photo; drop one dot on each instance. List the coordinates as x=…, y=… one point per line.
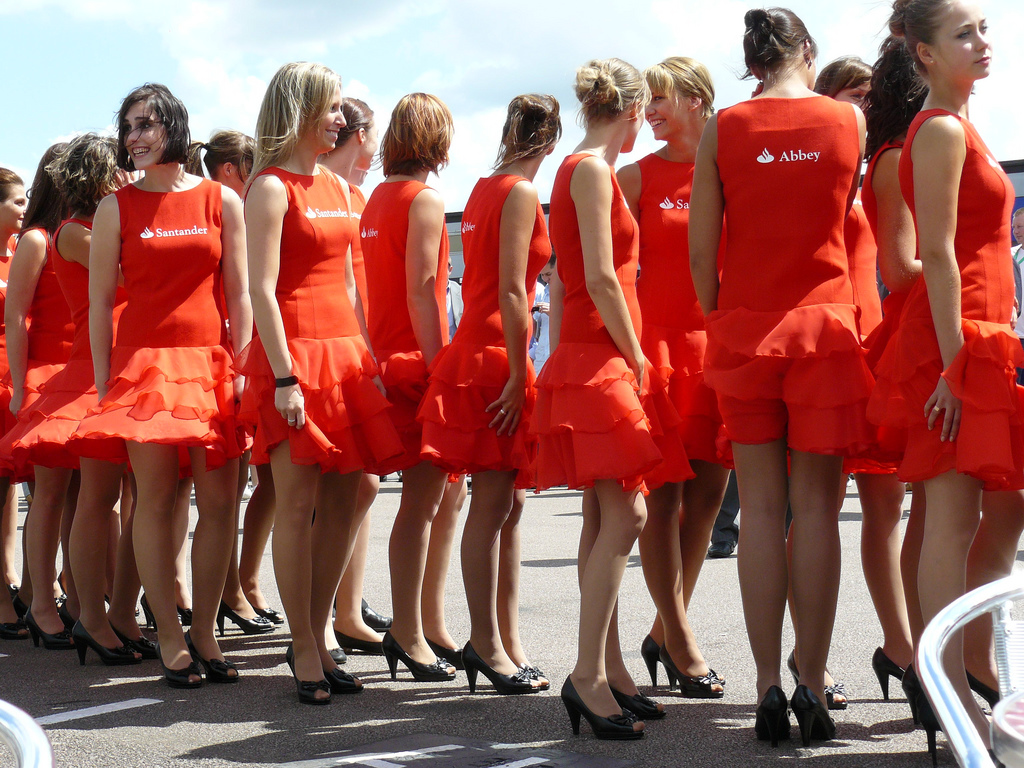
x=287, y=381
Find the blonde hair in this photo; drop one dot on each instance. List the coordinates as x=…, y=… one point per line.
x=418, y=136
x=299, y=94
x=607, y=88
x=85, y=171
x=683, y=77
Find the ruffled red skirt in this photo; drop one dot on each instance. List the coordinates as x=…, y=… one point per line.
x=464, y=380
x=594, y=424
x=678, y=355
x=405, y=377
x=180, y=396
x=751, y=356
x=347, y=428
x=990, y=443
x=37, y=374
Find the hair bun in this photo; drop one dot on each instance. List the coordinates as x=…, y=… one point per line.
x=759, y=21
x=595, y=85
x=898, y=19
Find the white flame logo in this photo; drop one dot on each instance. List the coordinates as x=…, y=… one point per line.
x=666, y=204
x=310, y=213
x=765, y=157
x=146, y=234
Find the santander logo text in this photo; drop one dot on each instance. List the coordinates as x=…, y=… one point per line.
x=789, y=156
x=316, y=213
x=147, y=233
x=668, y=205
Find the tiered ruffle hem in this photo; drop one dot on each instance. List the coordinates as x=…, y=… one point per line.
x=990, y=443
x=37, y=374
x=181, y=396
x=465, y=379
x=593, y=423
x=827, y=381
x=347, y=427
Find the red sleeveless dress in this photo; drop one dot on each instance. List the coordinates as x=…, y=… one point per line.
x=784, y=350
x=470, y=373
x=355, y=219
x=384, y=231
x=7, y=419
x=170, y=366
x=45, y=428
x=674, y=339
x=346, y=427
x=593, y=422
x=50, y=331
x=990, y=443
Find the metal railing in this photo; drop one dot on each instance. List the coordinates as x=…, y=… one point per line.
x=964, y=741
x=25, y=738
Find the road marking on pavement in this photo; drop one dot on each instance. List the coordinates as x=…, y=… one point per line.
x=523, y=763
x=379, y=760
x=78, y=714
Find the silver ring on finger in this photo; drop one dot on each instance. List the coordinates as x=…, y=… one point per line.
x=502, y=411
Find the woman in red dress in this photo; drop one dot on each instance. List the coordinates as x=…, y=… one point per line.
x=351, y=160
x=165, y=385
x=38, y=331
x=13, y=202
x=782, y=332
x=680, y=516
x=948, y=375
x=600, y=407
x=85, y=172
x=480, y=399
x=320, y=420
x=405, y=245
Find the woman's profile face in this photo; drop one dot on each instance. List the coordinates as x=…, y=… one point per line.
x=12, y=209
x=329, y=126
x=855, y=95
x=369, y=147
x=145, y=136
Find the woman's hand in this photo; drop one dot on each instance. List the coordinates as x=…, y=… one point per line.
x=239, y=386
x=543, y=307
x=17, y=396
x=509, y=408
x=291, y=405
x=943, y=399
x=637, y=366
x=101, y=391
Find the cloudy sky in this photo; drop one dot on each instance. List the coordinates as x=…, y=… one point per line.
x=68, y=63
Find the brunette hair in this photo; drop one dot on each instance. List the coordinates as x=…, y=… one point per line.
x=684, y=77
x=418, y=137
x=896, y=96
x=299, y=94
x=845, y=72
x=8, y=180
x=773, y=37
x=358, y=116
x=85, y=172
x=532, y=127
x=46, y=207
x=223, y=147
x=170, y=113
x=916, y=21
x=608, y=88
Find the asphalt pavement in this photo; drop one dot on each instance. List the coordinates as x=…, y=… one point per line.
x=98, y=716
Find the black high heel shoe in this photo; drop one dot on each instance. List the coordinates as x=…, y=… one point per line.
x=64, y=613
x=885, y=668
x=421, y=673
x=374, y=620
x=257, y=626
x=835, y=694
x=217, y=670
x=929, y=722
x=812, y=717
x=507, y=685
x=339, y=656
x=990, y=695
x=650, y=652
x=771, y=721
x=20, y=607
x=536, y=674
x=112, y=657
x=148, y=613
x=14, y=630
x=180, y=678
x=640, y=706
x=617, y=727
x=59, y=641
x=141, y=645
x=184, y=616
x=369, y=647
x=270, y=615
x=700, y=687
x=338, y=681
x=452, y=655
x=912, y=690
